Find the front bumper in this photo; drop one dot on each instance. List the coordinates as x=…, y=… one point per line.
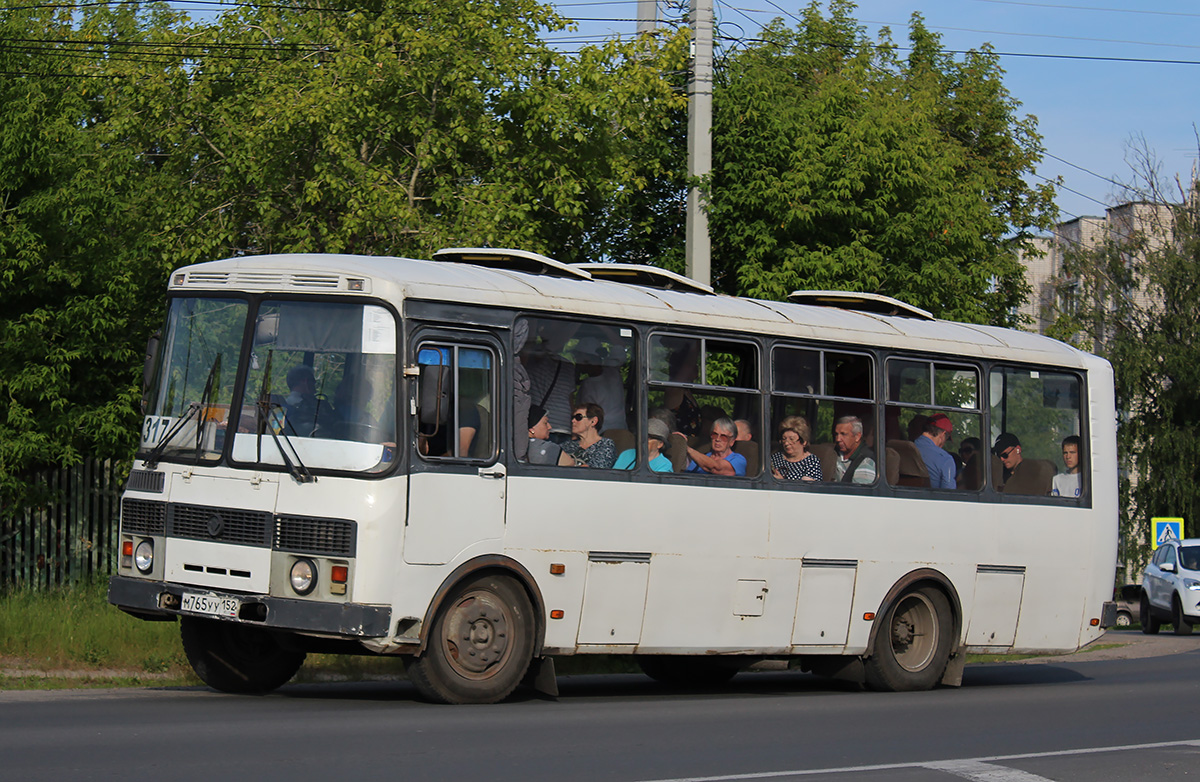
x=158, y=600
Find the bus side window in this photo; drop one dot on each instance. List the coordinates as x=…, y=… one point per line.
x=812, y=391
x=454, y=402
x=933, y=422
x=1035, y=415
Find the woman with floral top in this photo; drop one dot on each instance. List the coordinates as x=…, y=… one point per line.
x=587, y=447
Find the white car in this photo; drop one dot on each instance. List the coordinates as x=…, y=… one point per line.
x=1171, y=587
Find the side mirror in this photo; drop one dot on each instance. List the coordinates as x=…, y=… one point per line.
x=148, y=367
x=1167, y=567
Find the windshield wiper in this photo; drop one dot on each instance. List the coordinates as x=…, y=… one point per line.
x=152, y=458
x=264, y=412
x=301, y=473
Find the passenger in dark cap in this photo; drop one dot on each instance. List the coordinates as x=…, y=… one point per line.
x=541, y=450
x=1008, y=450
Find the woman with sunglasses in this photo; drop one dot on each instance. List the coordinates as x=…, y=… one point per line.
x=795, y=462
x=587, y=447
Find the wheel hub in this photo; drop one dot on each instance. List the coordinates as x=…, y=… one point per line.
x=476, y=634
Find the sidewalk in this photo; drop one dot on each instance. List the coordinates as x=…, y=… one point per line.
x=1133, y=645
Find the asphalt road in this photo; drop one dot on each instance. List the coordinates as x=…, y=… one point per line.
x=1125, y=714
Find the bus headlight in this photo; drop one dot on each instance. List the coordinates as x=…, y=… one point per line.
x=303, y=576
x=143, y=556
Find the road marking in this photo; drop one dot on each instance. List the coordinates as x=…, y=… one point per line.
x=977, y=771
x=949, y=766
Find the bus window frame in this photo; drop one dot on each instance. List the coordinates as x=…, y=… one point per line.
x=440, y=335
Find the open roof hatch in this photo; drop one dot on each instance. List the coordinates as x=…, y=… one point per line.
x=648, y=276
x=510, y=260
x=860, y=302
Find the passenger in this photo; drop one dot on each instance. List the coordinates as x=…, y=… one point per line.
x=603, y=384
x=856, y=461
x=932, y=443
x=967, y=450
x=588, y=448
x=1008, y=449
x=745, y=432
x=521, y=399
x=436, y=443
x=683, y=367
x=552, y=376
x=1069, y=483
x=541, y=450
x=722, y=459
x=795, y=462
x=656, y=438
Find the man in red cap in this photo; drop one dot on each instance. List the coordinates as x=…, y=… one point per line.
x=931, y=444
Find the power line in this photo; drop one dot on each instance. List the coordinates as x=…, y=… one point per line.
x=1085, y=170
x=1090, y=8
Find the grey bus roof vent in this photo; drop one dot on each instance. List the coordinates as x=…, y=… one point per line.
x=640, y=274
x=510, y=260
x=860, y=302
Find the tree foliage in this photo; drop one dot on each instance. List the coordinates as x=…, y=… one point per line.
x=135, y=140
x=1133, y=300
x=837, y=165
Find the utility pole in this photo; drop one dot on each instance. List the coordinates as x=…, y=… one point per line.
x=698, y=248
x=647, y=16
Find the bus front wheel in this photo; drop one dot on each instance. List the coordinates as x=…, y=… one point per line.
x=480, y=646
x=912, y=644
x=238, y=659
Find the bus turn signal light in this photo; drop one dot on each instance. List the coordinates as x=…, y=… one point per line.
x=1095, y=623
x=557, y=569
x=339, y=574
x=869, y=616
x=556, y=614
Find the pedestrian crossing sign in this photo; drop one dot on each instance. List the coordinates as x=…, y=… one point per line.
x=1165, y=529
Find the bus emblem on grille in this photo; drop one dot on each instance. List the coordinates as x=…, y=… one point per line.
x=215, y=525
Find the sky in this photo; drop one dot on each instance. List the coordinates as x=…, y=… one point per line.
x=1109, y=77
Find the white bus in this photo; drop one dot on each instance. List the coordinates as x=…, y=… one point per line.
x=337, y=457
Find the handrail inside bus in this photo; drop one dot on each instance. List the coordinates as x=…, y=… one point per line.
x=510, y=260
x=861, y=302
x=647, y=276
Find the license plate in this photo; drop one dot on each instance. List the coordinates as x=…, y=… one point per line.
x=212, y=605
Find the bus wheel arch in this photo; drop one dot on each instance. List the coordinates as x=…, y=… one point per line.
x=481, y=633
x=914, y=641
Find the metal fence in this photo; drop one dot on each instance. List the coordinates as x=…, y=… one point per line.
x=69, y=533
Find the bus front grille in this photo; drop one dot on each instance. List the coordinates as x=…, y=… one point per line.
x=305, y=535
x=143, y=517
x=220, y=525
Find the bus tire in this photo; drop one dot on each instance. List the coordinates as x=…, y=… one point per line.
x=480, y=646
x=1146, y=618
x=687, y=671
x=235, y=658
x=912, y=643
x=1178, y=620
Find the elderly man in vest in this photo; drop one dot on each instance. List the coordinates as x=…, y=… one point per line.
x=856, y=461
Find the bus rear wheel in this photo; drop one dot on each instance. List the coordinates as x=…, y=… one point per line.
x=237, y=659
x=912, y=644
x=480, y=646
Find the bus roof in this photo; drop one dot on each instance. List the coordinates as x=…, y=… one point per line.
x=551, y=291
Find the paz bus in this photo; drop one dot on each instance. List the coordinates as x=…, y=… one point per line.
x=336, y=458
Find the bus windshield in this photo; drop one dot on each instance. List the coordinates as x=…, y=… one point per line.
x=319, y=385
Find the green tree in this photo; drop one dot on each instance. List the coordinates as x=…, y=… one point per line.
x=838, y=165
x=73, y=303
x=1132, y=299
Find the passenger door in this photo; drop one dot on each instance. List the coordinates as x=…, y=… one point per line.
x=457, y=483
